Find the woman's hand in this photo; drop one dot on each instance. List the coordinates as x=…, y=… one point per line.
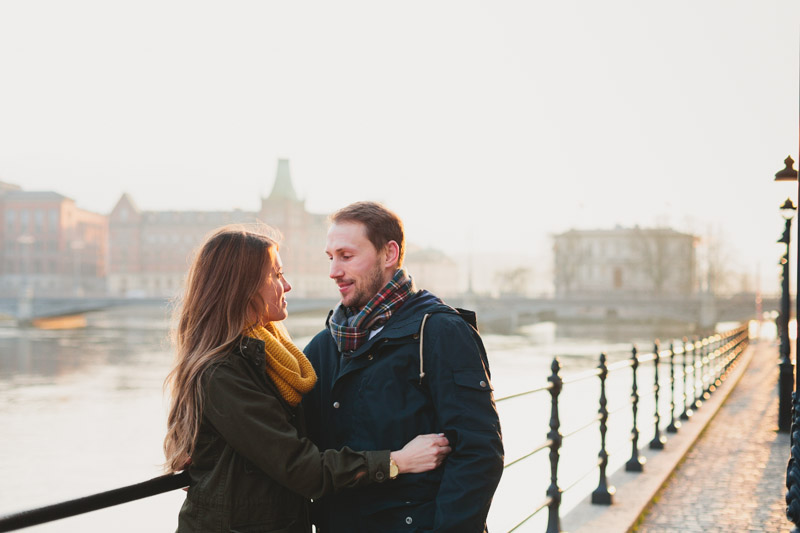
x=423, y=453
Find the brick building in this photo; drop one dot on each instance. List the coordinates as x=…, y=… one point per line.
x=49, y=245
x=150, y=251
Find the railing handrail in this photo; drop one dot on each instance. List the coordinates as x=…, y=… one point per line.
x=94, y=502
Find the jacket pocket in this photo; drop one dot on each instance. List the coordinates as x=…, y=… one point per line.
x=473, y=394
x=472, y=379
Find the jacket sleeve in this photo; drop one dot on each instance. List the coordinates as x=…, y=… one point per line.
x=257, y=426
x=462, y=395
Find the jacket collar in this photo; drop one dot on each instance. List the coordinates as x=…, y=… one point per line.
x=406, y=321
x=253, y=351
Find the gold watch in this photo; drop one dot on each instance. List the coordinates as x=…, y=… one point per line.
x=393, y=470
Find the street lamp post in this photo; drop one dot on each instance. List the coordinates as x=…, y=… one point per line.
x=786, y=376
x=793, y=468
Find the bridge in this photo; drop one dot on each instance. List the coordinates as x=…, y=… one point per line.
x=502, y=314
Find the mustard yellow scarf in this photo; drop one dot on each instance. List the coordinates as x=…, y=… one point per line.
x=288, y=367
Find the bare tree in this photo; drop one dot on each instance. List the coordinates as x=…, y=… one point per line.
x=514, y=280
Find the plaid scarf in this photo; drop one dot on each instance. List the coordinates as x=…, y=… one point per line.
x=350, y=328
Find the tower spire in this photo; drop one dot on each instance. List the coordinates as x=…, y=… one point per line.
x=282, y=189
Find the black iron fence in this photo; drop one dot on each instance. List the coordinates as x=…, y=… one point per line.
x=698, y=366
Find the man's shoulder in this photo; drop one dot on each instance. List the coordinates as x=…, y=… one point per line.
x=318, y=343
x=441, y=314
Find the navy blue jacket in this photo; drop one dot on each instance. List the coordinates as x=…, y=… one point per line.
x=372, y=399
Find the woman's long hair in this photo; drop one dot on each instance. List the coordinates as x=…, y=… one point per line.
x=220, y=301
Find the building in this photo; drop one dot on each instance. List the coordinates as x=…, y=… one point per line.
x=303, y=245
x=150, y=251
x=50, y=246
x=624, y=263
x=434, y=271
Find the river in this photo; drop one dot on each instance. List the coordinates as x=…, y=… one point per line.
x=82, y=411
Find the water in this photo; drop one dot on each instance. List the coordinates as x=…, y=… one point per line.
x=82, y=411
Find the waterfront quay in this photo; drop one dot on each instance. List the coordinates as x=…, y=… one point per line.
x=724, y=470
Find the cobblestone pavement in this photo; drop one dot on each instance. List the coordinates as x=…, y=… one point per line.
x=733, y=479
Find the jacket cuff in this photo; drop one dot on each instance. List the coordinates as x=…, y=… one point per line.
x=378, y=465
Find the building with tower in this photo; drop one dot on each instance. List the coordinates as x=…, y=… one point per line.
x=150, y=251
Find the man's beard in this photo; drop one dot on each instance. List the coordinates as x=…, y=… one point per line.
x=371, y=286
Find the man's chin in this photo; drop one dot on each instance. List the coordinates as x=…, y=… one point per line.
x=357, y=303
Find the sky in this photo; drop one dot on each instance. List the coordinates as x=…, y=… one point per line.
x=488, y=126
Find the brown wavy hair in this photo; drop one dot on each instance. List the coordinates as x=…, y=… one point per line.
x=220, y=300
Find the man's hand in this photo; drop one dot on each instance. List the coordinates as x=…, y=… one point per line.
x=423, y=453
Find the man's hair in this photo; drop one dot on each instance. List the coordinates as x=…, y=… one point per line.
x=382, y=225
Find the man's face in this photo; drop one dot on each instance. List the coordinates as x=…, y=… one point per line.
x=356, y=266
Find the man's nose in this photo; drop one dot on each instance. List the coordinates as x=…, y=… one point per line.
x=336, y=271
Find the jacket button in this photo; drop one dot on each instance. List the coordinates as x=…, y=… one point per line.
x=335, y=405
x=482, y=384
x=369, y=357
x=379, y=476
x=409, y=520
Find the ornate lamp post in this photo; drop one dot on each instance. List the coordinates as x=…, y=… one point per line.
x=786, y=377
x=793, y=469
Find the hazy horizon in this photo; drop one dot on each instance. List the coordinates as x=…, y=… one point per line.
x=487, y=127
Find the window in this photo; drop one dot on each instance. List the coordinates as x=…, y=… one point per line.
x=617, y=278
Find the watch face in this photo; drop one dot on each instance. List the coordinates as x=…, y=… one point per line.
x=393, y=470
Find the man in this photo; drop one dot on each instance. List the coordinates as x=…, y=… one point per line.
x=394, y=362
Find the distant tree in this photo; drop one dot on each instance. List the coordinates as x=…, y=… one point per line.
x=570, y=255
x=652, y=253
x=717, y=274
x=514, y=280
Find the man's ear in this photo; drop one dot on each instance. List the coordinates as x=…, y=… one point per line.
x=391, y=254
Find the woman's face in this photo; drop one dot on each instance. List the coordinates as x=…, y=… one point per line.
x=273, y=291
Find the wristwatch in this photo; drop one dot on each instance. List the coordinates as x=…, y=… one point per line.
x=393, y=470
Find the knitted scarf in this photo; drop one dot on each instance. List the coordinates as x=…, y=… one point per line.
x=350, y=327
x=289, y=369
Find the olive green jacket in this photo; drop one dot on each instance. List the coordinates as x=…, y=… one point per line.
x=252, y=469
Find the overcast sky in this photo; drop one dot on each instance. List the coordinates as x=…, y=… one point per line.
x=485, y=124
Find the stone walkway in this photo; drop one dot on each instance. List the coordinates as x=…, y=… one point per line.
x=733, y=479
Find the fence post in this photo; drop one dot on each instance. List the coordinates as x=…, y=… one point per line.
x=658, y=440
x=697, y=376
x=708, y=372
x=687, y=412
x=603, y=494
x=635, y=463
x=720, y=363
x=673, y=424
x=554, y=436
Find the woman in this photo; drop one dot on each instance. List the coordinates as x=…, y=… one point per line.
x=235, y=406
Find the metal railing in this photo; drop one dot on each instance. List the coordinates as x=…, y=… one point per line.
x=704, y=364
